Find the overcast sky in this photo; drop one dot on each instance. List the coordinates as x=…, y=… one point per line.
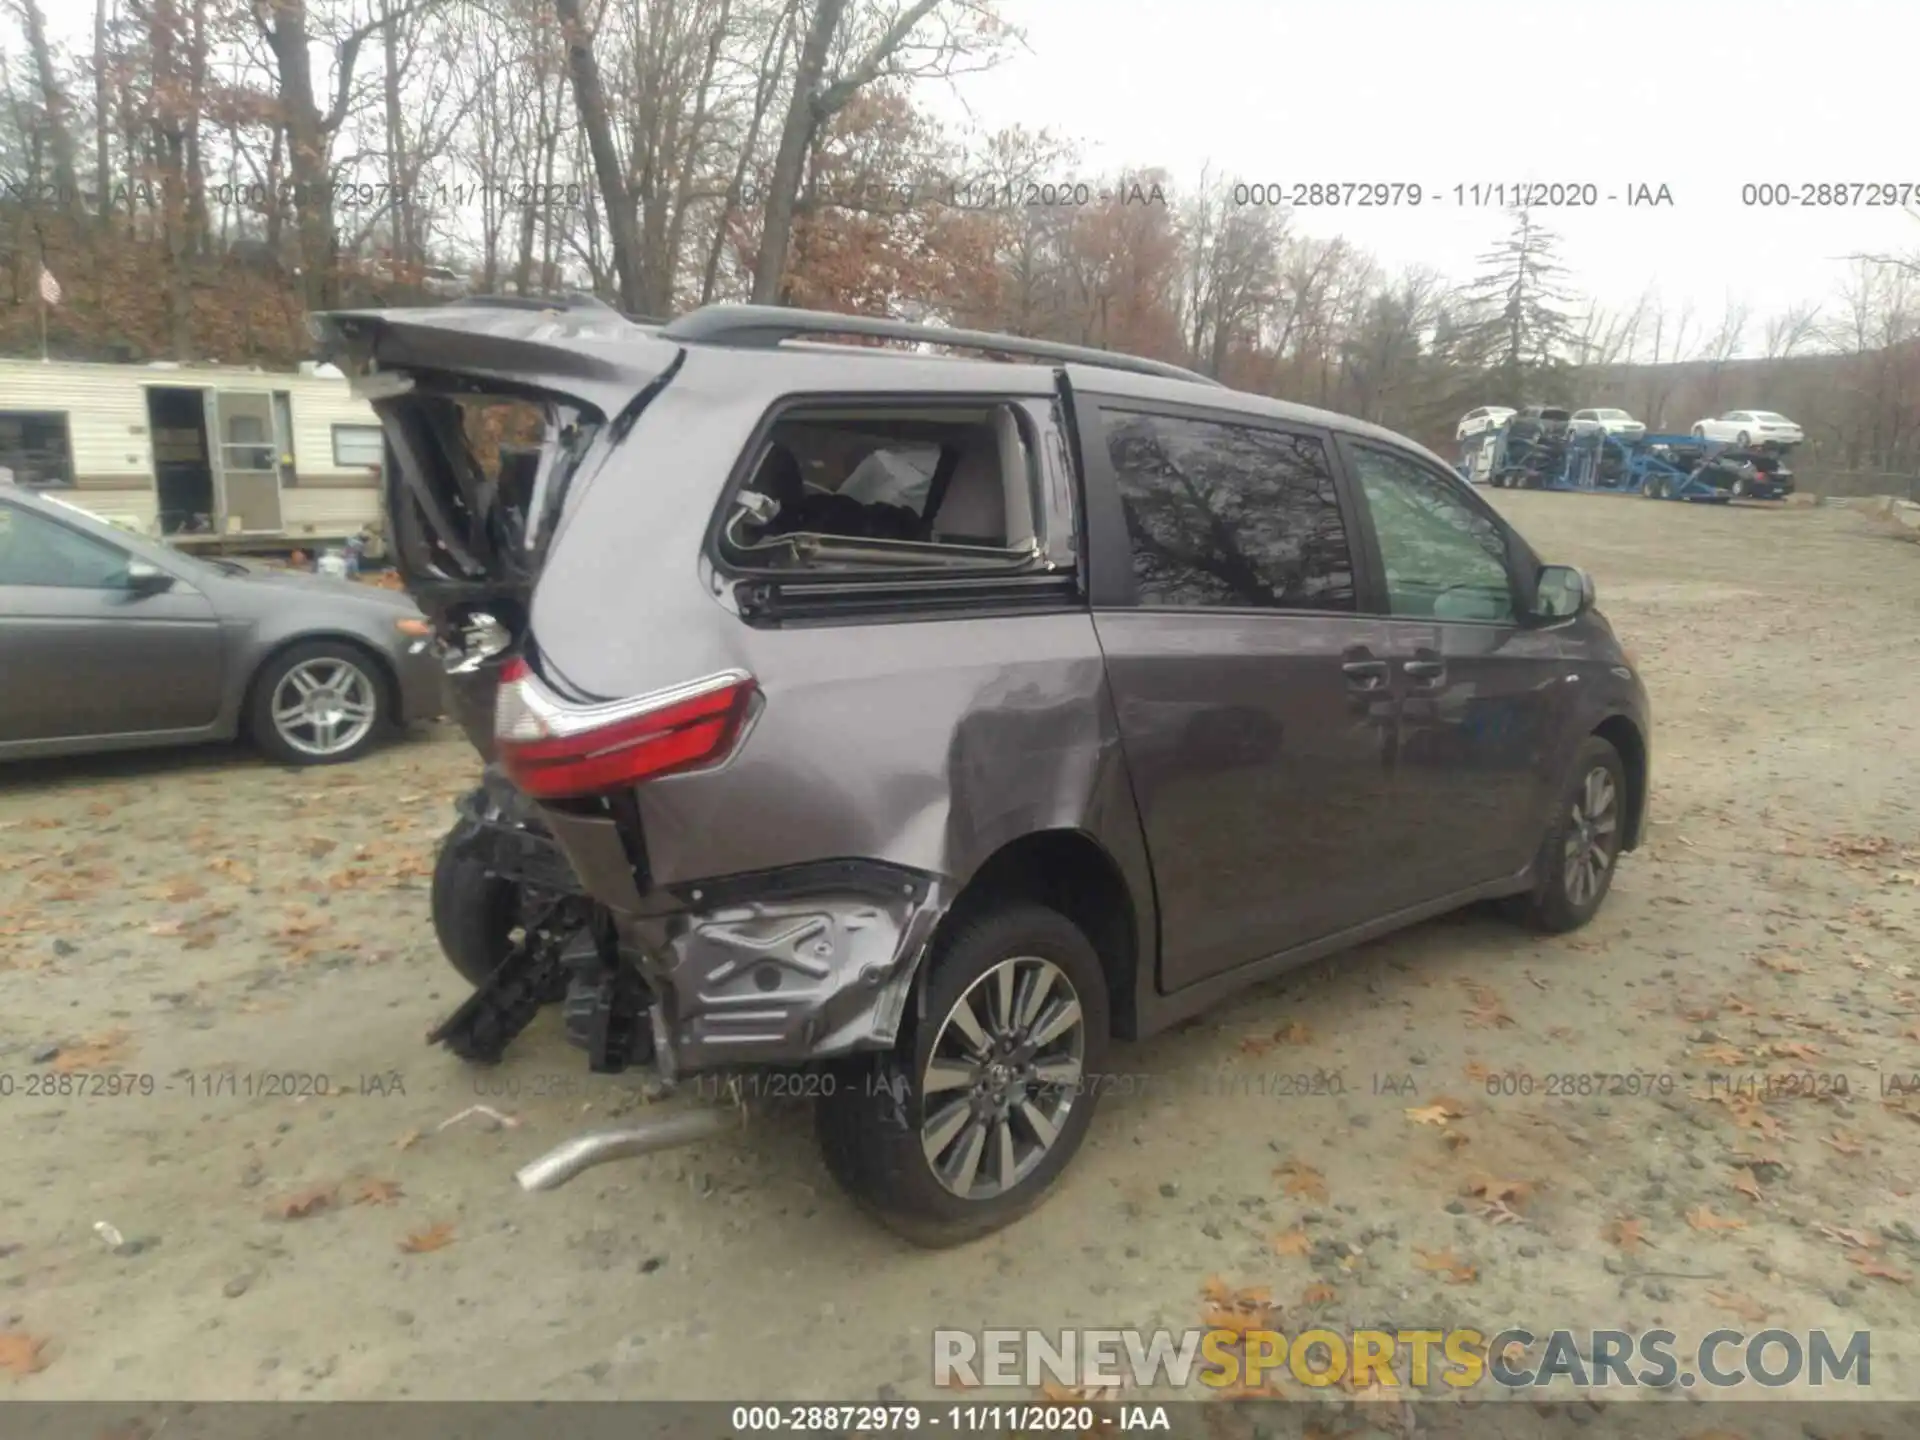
x=1701, y=95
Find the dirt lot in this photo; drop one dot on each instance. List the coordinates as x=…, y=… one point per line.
x=219, y=932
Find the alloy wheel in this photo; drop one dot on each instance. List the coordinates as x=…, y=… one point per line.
x=324, y=706
x=1004, y=1070
x=1592, y=822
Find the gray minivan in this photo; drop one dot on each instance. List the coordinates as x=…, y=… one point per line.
x=1108, y=692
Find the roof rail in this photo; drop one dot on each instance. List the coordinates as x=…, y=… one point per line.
x=762, y=327
x=573, y=300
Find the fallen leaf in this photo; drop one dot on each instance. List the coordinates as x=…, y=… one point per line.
x=1701, y=1217
x=1842, y=1142
x=1740, y=1007
x=93, y=1053
x=1293, y=1242
x=232, y=869
x=1513, y=1193
x=1293, y=1033
x=1445, y=1262
x=377, y=1192
x=434, y=1237
x=302, y=1204
x=1625, y=1233
x=1302, y=1180
x=1745, y=1182
x=1318, y=1293
x=407, y=1141
x=1750, y=1310
x=1477, y=1072
x=21, y=1353
x=1779, y=965
x=1437, y=1113
x=1874, y=1270
x=1723, y=1055
x=1795, y=1050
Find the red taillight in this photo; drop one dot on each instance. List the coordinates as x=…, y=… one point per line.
x=552, y=749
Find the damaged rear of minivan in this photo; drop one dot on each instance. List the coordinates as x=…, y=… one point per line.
x=799, y=755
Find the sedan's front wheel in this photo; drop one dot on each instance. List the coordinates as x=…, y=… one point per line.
x=319, y=703
x=964, y=1129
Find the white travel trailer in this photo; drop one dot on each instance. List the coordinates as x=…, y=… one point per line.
x=203, y=455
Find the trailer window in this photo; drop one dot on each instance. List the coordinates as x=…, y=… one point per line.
x=358, y=445
x=36, y=446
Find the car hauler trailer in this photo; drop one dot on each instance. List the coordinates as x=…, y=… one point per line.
x=207, y=457
x=1658, y=467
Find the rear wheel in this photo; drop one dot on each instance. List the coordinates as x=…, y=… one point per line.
x=1573, y=870
x=1744, y=440
x=965, y=1126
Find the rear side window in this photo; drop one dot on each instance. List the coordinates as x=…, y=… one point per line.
x=1230, y=516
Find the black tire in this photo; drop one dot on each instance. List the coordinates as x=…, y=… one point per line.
x=1743, y=440
x=474, y=913
x=1699, y=432
x=869, y=1122
x=268, y=736
x=1555, y=906
x=1739, y=488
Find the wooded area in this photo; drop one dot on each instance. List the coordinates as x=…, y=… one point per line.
x=198, y=174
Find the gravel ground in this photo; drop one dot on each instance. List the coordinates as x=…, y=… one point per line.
x=247, y=949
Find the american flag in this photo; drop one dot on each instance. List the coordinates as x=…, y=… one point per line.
x=49, y=287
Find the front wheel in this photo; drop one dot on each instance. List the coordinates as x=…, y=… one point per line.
x=1573, y=869
x=966, y=1125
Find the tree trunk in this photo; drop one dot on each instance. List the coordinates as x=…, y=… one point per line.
x=399, y=193
x=591, y=101
x=770, y=66
x=690, y=161
x=66, y=171
x=789, y=161
x=308, y=151
x=196, y=208
x=102, y=117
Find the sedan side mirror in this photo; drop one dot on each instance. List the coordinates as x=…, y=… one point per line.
x=145, y=579
x=1561, y=593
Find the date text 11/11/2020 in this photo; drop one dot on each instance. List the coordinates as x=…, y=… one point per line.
x=1489, y=195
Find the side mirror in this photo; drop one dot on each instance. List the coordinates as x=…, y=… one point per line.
x=145, y=579
x=1562, y=592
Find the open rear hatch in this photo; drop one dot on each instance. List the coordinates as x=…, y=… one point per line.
x=498, y=413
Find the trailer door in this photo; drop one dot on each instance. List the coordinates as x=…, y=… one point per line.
x=245, y=461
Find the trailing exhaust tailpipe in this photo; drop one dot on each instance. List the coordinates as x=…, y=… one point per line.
x=583, y=1152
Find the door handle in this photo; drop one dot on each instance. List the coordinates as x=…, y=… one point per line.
x=1431, y=670
x=1366, y=674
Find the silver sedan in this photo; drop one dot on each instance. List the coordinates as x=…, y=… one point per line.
x=111, y=642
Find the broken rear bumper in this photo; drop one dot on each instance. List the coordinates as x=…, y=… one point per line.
x=775, y=968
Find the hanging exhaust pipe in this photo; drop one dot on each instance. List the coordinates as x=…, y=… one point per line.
x=583, y=1152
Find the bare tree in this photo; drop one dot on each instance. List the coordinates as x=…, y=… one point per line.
x=885, y=44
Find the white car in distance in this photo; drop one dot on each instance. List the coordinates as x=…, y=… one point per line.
x=1750, y=427
x=1478, y=422
x=1608, y=422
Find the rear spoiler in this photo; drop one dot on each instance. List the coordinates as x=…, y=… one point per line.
x=578, y=349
